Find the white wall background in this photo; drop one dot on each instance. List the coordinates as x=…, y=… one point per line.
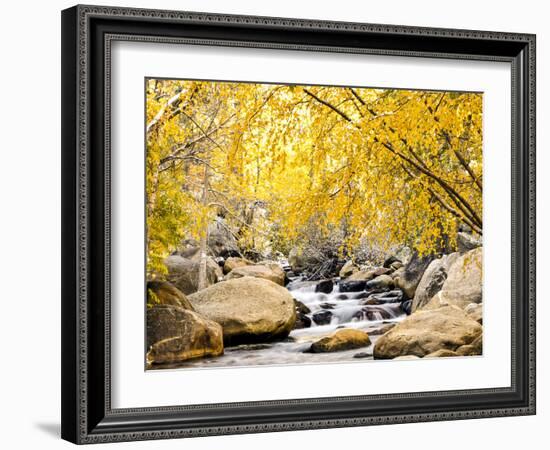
x=30, y=222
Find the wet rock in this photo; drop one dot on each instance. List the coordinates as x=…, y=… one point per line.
x=165, y=293
x=342, y=297
x=362, y=355
x=175, y=334
x=394, y=296
x=300, y=307
x=380, y=282
x=352, y=286
x=327, y=305
x=322, y=317
x=406, y=306
x=302, y=321
x=249, y=309
x=324, y=286
x=373, y=312
x=345, y=339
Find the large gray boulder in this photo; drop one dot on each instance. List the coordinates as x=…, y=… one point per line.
x=464, y=283
x=248, y=309
x=184, y=273
x=427, y=331
x=432, y=280
x=175, y=334
x=271, y=271
x=409, y=276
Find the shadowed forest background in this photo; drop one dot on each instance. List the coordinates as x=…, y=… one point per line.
x=309, y=178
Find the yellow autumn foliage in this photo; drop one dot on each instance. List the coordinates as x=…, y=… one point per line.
x=396, y=167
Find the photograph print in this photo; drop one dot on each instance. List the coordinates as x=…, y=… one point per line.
x=308, y=224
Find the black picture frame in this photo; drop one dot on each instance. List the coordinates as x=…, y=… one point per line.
x=87, y=415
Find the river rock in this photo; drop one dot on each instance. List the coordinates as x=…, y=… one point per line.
x=463, y=284
x=249, y=309
x=411, y=274
x=324, y=286
x=234, y=262
x=394, y=296
x=352, y=286
x=302, y=321
x=165, y=293
x=272, y=272
x=184, y=273
x=406, y=306
x=344, y=339
x=348, y=269
x=300, y=307
x=368, y=275
x=380, y=282
x=322, y=317
x=427, y=331
x=432, y=280
x=176, y=334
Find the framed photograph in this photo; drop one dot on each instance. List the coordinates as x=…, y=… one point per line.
x=282, y=224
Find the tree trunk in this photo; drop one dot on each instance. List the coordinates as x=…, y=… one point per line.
x=202, y=282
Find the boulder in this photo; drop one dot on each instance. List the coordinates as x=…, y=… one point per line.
x=352, y=285
x=389, y=261
x=302, y=321
x=175, y=334
x=233, y=262
x=368, y=275
x=249, y=309
x=394, y=296
x=184, y=273
x=300, y=307
x=467, y=242
x=324, y=286
x=271, y=272
x=464, y=282
x=323, y=317
x=380, y=282
x=348, y=269
x=432, y=280
x=165, y=293
x=344, y=339
x=410, y=277
x=221, y=240
x=427, y=331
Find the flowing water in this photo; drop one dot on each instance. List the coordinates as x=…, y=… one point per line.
x=336, y=309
